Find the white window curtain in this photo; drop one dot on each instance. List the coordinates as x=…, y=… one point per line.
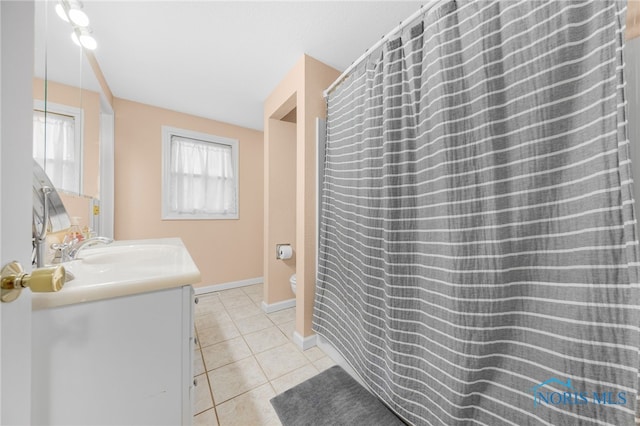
x=56, y=150
x=202, y=179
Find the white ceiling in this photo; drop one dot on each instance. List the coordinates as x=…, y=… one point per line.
x=222, y=59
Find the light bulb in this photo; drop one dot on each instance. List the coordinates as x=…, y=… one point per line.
x=61, y=13
x=85, y=40
x=74, y=37
x=88, y=42
x=79, y=18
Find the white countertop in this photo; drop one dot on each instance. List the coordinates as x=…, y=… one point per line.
x=123, y=268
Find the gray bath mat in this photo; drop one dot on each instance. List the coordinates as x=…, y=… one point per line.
x=332, y=398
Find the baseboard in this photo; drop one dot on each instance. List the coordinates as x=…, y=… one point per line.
x=278, y=306
x=227, y=286
x=305, y=343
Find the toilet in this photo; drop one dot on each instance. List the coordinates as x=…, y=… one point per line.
x=292, y=281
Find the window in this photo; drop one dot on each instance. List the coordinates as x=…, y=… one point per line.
x=57, y=144
x=200, y=175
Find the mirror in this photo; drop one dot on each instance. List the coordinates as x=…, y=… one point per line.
x=49, y=216
x=67, y=109
x=58, y=219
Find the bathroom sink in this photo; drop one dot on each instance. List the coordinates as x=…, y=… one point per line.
x=123, y=268
x=129, y=254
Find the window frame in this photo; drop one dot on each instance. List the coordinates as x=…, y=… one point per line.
x=78, y=134
x=167, y=133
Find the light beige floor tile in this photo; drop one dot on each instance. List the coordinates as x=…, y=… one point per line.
x=288, y=328
x=257, y=298
x=323, y=363
x=293, y=378
x=198, y=364
x=283, y=316
x=253, y=323
x=252, y=408
x=262, y=340
x=218, y=333
x=314, y=353
x=204, y=299
x=258, y=286
x=205, y=308
x=236, y=378
x=207, y=418
x=207, y=301
x=232, y=292
x=232, y=302
x=203, y=399
x=253, y=289
x=212, y=318
x=224, y=353
x=210, y=299
x=279, y=361
x=244, y=311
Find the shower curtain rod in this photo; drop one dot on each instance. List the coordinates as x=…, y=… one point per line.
x=423, y=9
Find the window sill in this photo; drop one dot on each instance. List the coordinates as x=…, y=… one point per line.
x=201, y=217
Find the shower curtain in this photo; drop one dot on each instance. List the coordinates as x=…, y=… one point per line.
x=478, y=253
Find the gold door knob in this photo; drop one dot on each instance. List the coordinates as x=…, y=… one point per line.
x=45, y=280
x=41, y=280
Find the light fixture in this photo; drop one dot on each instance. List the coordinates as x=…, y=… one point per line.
x=84, y=39
x=70, y=11
x=78, y=17
x=89, y=42
x=61, y=12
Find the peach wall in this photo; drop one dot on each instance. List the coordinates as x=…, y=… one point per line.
x=280, y=218
x=77, y=206
x=302, y=88
x=223, y=250
x=633, y=19
x=89, y=102
x=282, y=101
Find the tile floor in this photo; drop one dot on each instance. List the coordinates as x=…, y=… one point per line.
x=245, y=357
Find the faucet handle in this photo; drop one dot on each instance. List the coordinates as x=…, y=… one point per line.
x=62, y=251
x=71, y=239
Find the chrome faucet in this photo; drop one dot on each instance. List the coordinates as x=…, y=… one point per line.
x=75, y=248
x=69, y=251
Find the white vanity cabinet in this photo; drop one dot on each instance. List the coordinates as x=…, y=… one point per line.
x=118, y=361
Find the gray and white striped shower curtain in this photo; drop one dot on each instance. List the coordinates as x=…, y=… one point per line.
x=478, y=253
